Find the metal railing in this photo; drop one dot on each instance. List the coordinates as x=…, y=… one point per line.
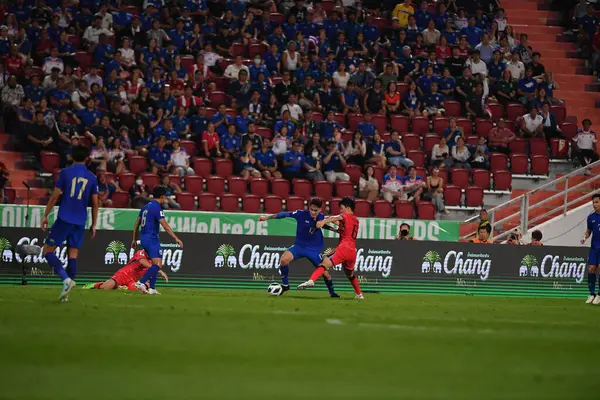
x=526, y=208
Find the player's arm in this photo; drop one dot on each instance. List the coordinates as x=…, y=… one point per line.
x=95, y=206
x=586, y=235
x=168, y=229
x=328, y=220
x=279, y=215
x=51, y=203
x=136, y=227
x=331, y=228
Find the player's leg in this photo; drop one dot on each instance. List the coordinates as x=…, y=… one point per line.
x=315, y=259
x=58, y=233
x=284, y=266
x=155, y=254
x=109, y=284
x=353, y=281
x=592, y=263
x=326, y=263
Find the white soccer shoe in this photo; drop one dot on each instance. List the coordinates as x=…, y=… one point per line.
x=359, y=297
x=590, y=299
x=68, y=285
x=308, y=284
x=153, y=291
x=141, y=287
x=596, y=300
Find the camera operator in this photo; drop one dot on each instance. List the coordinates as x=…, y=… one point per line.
x=404, y=232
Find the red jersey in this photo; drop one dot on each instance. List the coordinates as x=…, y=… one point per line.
x=348, y=228
x=134, y=268
x=212, y=139
x=14, y=65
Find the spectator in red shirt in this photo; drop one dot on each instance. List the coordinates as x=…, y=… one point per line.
x=210, y=142
x=188, y=100
x=14, y=62
x=44, y=46
x=500, y=138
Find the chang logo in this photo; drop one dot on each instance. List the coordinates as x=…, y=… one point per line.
x=457, y=263
x=115, y=252
x=6, y=250
x=225, y=255
x=431, y=262
x=529, y=266
x=554, y=267
x=368, y=260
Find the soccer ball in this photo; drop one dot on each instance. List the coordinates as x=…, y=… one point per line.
x=274, y=289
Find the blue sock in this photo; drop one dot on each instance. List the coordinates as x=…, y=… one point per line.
x=591, y=282
x=153, y=270
x=329, y=284
x=56, y=265
x=153, y=277
x=285, y=270
x=72, y=268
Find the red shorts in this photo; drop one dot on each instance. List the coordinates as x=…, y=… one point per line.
x=124, y=278
x=345, y=255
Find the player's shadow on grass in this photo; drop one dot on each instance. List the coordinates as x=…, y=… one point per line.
x=319, y=298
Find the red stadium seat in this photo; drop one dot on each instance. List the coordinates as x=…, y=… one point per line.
x=237, y=185
x=411, y=141
x=382, y=23
x=379, y=174
x=11, y=195
x=453, y=108
x=185, y=200
x=207, y=202
x=222, y=83
x=238, y=49
x=439, y=125
x=323, y=190
x=417, y=156
x=354, y=171
x=277, y=18
x=215, y=185
x=281, y=188
x=189, y=146
x=150, y=180
x=362, y=208
x=119, y=199
x=498, y=161
x=211, y=111
x=217, y=97
x=483, y=127
x=471, y=140
x=256, y=49
x=420, y=125
x=426, y=210
x=452, y=195
x=50, y=161
x=466, y=125
x=380, y=121
x=202, y=166
x=422, y=172
x=538, y=147
x=401, y=88
x=404, y=209
x=138, y=164
x=514, y=111
x=382, y=209
x=251, y=203
x=474, y=197
x=193, y=184
x=302, y=188
x=460, y=177
x=399, y=123
x=176, y=180
x=569, y=130
x=518, y=146
x=502, y=180
x=560, y=112
x=264, y=132
x=273, y=204
x=126, y=180
x=540, y=165
x=429, y=141
x=84, y=59
x=188, y=63
x=559, y=148
x=259, y=187
x=519, y=163
x=340, y=118
x=354, y=120
x=229, y=202
x=334, y=206
x=317, y=116
x=481, y=178
x=223, y=167
x=497, y=110
x=344, y=188
x=294, y=203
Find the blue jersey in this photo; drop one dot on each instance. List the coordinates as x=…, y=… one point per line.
x=150, y=216
x=593, y=224
x=77, y=184
x=307, y=235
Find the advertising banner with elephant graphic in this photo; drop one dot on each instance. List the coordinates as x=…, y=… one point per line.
x=384, y=266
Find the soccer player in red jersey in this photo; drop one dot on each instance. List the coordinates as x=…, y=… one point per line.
x=126, y=277
x=345, y=253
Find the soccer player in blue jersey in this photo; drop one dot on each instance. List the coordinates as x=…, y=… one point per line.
x=77, y=185
x=593, y=230
x=308, y=244
x=150, y=219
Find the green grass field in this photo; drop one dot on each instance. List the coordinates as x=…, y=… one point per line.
x=209, y=344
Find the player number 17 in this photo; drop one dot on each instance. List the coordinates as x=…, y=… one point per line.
x=74, y=183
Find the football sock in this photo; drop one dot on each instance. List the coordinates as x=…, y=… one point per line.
x=285, y=270
x=329, y=283
x=591, y=282
x=320, y=270
x=97, y=285
x=154, y=276
x=355, y=285
x=56, y=265
x=149, y=272
x=72, y=268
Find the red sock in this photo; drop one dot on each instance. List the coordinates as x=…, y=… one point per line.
x=97, y=285
x=355, y=285
x=317, y=273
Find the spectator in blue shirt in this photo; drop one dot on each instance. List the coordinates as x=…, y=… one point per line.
x=370, y=30
x=266, y=162
x=181, y=124
x=396, y=153
x=527, y=87
x=334, y=163
x=367, y=128
x=221, y=120
x=242, y=120
x=273, y=59
x=258, y=67
x=588, y=23
x=166, y=132
x=472, y=32
x=329, y=125
x=422, y=15
x=285, y=121
x=160, y=157
x=231, y=143
x=199, y=122
x=447, y=85
x=293, y=161
x=496, y=67
x=434, y=102
x=178, y=35
x=90, y=115
x=34, y=91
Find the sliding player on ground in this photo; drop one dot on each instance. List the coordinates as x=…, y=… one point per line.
x=308, y=244
x=150, y=219
x=593, y=230
x=77, y=185
x=345, y=253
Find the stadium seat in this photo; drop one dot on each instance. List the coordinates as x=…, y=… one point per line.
x=215, y=185
x=216, y=97
x=193, y=184
x=483, y=127
x=126, y=180
x=399, y=123
x=429, y=141
x=264, y=132
x=497, y=110
x=453, y=108
x=256, y=49
x=259, y=187
x=150, y=180
x=422, y=172
x=439, y=125
x=411, y=141
x=237, y=185
x=189, y=146
x=466, y=125
x=417, y=156
x=317, y=116
x=379, y=174
x=460, y=177
x=426, y=210
x=518, y=146
x=202, y=166
x=175, y=180
x=277, y=18
x=519, y=163
x=382, y=209
x=340, y=118
x=502, y=180
x=452, y=195
x=207, y=202
x=294, y=203
x=223, y=167
x=302, y=188
x=323, y=190
x=474, y=196
x=354, y=171
x=138, y=164
x=84, y=59
x=538, y=147
x=229, y=202
x=498, y=161
x=401, y=88
x=420, y=125
x=404, y=209
x=381, y=23
x=334, y=206
x=344, y=188
x=211, y=111
x=514, y=111
x=569, y=130
x=185, y=200
x=540, y=165
x=362, y=208
x=471, y=140
x=273, y=204
x=50, y=161
x=380, y=121
x=560, y=112
x=188, y=63
x=120, y=199
x=281, y=188
x=354, y=120
x=238, y=49
x=559, y=148
x=251, y=204
x=481, y=178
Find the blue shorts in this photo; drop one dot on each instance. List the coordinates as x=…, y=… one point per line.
x=152, y=248
x=594, y=257
x=313, y=255
x=62, y=231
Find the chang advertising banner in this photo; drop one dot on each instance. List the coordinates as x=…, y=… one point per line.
x=111, y=219
x=385, y=266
